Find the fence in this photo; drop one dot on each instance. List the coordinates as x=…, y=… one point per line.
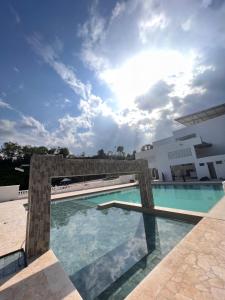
x=84, y=185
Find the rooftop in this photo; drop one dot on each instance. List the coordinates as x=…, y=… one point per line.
x=202, y=116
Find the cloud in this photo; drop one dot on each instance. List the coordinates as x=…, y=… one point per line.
x=4, y=104
x=50, y=56
x=16, y=70
x=156, y=97
x=6, y=128
x=134, y=71
x=118, y=10
x=26, y=130
x=156, y=58
x=214, y=4
x=15, y=14
x=156, y=22
x=31, y=124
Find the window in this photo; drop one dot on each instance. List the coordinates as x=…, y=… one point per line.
x=179, y=153
x=201, y=164
x=186, y=137
x=219, y=162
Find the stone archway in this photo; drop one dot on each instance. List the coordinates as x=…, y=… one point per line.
x=45, y=167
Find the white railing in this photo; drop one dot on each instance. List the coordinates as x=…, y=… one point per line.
x=83, y=185
x=23, y=194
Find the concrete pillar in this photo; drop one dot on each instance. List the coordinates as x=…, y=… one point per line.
x=144, y=179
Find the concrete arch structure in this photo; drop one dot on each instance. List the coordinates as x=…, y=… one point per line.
x=45, y=167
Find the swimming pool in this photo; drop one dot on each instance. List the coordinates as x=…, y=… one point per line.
x=106, y=253
x=199, y=197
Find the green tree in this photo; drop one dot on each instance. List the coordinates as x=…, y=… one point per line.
x=27, y=152
x=41, y=150
x=52, y=151
x=101, y=154
x=120, y=151
x=11, y=151
x=64, y=151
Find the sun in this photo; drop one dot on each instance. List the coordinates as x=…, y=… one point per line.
x=139, y=73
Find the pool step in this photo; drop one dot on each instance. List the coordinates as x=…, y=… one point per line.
x=12, y=263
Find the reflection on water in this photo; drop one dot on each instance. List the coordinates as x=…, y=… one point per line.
x=108, y=252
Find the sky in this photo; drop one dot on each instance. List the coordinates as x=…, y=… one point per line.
x=97, y=74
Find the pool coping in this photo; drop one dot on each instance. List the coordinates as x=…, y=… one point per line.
x=76, y=194
x=187, y=182
x=43, y=278
x=156, y=210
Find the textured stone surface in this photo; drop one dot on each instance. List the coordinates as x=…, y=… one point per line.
x=43, y=168
x=12, y=226
x=195, y=268
x=42, y=279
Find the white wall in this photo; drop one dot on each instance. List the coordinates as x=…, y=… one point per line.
x=9, y=192
x=203, y=170
x=211, y=131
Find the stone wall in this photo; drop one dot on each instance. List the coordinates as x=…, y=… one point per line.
x=45, y=167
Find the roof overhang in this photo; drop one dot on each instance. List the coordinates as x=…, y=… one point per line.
x=202, y=116
x=203, y=145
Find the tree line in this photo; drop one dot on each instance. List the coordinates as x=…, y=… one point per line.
x=14, y=151
x=14, y=156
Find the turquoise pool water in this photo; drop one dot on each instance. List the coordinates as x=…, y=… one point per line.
x=106, y=253
x=188, y=197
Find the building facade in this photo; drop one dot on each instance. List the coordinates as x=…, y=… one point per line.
x=195, y=151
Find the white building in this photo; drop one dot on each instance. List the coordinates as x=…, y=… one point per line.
x=193, y=152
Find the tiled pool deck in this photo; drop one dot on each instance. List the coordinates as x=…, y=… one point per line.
x=194, y=269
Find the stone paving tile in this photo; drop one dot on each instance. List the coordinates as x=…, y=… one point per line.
x=12, y=226
x=194, y=269
x=43, y=279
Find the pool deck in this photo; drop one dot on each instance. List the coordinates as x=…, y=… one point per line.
x=194, y=269
x=43, y=279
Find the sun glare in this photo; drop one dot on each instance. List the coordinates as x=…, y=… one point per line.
x=138, y=74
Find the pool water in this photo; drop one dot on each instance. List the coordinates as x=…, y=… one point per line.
x=188, y=197
x=106, y=253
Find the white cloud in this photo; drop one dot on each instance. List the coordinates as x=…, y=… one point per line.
x=118, y=10
x=4, y=104
x=15, y=14
x=16, y=69
x=30, y=123
x=6, y=127
x=156, y=22
x=138, y=45
x=206, y=3
x=49, y=55
x=136, y=76
x=186, y=26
